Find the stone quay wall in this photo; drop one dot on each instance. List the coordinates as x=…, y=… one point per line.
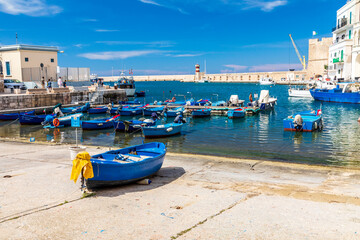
x=23, y=101
x=1, y=85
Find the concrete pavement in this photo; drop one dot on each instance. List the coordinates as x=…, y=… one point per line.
x=191, y=197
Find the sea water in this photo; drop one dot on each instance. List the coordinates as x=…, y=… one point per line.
x=256, y=137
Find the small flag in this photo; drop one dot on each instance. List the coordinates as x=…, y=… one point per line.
x=314, y=33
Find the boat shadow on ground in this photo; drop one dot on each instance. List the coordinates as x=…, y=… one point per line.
x=163, y=177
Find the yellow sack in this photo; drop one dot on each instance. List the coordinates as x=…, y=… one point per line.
x=81, y=161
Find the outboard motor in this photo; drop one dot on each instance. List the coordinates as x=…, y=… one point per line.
x=298, y=122
x=154, y=116
x=48, y=120
x=179, y=118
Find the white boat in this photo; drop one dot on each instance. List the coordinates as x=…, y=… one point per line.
x=266, y=81
x=325, y=85
x=127, y=84
x=204, y=79
x=300, y=93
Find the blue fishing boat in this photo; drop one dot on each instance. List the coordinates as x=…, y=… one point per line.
x=98, y=110
x=135, y=102
x=350, y=93
x=175, y=111
x=97, y=124
x=131, y=111
x=236, y=113
x=140, y=94
x=126, y=165
x=202, y=102
x=198, y=113
x=52, y=122
x=30, y=119
x=219, y=104
x=13, y=116
x=79, y=109
x=165, y=130
x=308, y=121
x=149, y=111
x=131, y=125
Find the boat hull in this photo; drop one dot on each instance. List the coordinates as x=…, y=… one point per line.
x=97, y=124
x=130, y=126
x=202, y=113
x=108, y=172
x=310, y=124
x=160, y=131
x=335, y=95
x=236, y=113
x=299, y=93
x=99, y=110
x=13, y=116
x=268, y=105
x=27, y=119
x=150, y=111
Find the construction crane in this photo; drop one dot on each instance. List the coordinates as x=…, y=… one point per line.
x=302, y=60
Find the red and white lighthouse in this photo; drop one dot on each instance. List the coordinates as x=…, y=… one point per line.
x=197, y=72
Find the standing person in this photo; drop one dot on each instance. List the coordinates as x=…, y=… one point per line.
x=60, y=83
x=49, y=84
x=42, y=82
x=64, y=83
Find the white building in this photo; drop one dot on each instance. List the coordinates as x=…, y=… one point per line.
x=344, y=53
x=28, y=63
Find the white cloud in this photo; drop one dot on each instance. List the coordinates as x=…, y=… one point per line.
x=118, y=54
x=188, y=55
x=150, y=2
x=139, y=72
x=106, y=30
x=266, y=6
x=34, y=8
x=184, y=6
x=89, y=20
x=236, y=67
x=154, y=43
x=261, y=68
x=275, y=67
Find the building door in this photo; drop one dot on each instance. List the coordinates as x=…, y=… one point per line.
x=357, y=67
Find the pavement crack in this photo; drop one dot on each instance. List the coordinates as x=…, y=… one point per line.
x=213, y=216
x=253, y=165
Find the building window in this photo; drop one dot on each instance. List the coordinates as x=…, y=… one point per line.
x=350, y=16
x=52, y=60
x=342, y=55
x=8, y=72
x=335, y=55
x=349, y=34
x=26, y=59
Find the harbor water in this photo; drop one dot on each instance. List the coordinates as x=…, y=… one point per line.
x=256, y=137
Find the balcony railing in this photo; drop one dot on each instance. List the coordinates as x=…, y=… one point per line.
x=343, y=23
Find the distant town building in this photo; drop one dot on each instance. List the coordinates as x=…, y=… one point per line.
x=344, y=53
x=318, y=58
x=28, y=63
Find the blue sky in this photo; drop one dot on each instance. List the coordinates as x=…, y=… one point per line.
x=170, y=36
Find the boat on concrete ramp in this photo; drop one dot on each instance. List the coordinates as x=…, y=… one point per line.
x=127, y=165
x=307, y=121
x=164, y=130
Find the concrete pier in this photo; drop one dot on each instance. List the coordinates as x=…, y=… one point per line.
x=191, y=197
x=15, y=102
